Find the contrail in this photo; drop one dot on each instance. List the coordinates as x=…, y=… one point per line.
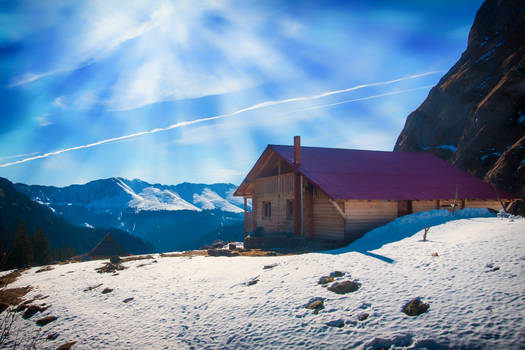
x=247, y=109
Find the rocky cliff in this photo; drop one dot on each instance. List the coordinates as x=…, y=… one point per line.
x=475, y=117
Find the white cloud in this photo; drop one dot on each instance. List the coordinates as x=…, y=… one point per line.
x=43, y=120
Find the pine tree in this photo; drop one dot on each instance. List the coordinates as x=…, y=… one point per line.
x=22, y=252
x=41, y=248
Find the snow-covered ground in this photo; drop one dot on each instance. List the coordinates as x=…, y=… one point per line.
x=206, y=302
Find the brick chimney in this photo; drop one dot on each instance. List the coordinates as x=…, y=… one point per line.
x=297, y=150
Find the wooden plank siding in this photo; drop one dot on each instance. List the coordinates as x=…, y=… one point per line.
x=276, y=190
x=480, y=203
x=362, y=215
x=418, y=206
x=326, y=223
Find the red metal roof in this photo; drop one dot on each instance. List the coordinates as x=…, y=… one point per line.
x=358, y=174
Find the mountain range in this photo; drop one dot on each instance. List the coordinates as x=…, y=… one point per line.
x=172, y=217
x=16, y=207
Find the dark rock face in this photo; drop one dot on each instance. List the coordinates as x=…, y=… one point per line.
x=475, y=117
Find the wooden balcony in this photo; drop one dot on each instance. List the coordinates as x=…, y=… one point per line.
x=273, y=184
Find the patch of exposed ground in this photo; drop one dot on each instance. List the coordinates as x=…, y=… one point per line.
x=12, y=296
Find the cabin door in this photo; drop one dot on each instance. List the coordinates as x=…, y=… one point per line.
x=404, y=208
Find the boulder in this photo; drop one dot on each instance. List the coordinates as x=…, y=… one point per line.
x=315, y=304
x=363, y=316
x=415, y=307
x=326, y=279
x=52, y=336
x=45, y=320
x=344, y=287
x=66, y=346
x=340, y=323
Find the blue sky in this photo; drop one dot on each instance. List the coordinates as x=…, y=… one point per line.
x=79, y=79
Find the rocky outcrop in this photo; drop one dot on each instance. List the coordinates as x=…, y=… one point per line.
x=475, y=117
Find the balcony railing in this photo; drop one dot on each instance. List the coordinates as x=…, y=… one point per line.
x=272, y=184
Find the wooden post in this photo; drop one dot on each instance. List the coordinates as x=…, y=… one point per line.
x=297, y=205
x=302, y=208
x=455, y=201
x=245, y=217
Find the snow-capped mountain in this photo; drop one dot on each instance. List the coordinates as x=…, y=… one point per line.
x=117, y=194
x=173, y=217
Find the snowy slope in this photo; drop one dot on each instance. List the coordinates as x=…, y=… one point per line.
x=205, y=302
x=152, y=198
x=211, y=200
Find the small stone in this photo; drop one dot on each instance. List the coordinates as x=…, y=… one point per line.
x=340, y=323
x=45, y=320
x=52, y=336
x=252, y=282
x=267, y=267
x=127, y=300
x=337, y=274
x=87, y=289
x=326, y=279
x=316, y=304
x=363, y=316
x=415, y=307
x=344, y=287
x=66, y=346
x=435, y=254
x=107, y=290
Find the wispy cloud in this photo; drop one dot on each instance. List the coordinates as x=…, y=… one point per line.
x=43, y=120
x=106, y=36
x=228, y=115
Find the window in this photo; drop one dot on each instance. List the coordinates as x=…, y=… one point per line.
x=289, y=209
x=267, y=209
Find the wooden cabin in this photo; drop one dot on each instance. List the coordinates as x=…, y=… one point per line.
x=338, y=195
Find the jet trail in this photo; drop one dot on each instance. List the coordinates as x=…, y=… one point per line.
x=240, y=111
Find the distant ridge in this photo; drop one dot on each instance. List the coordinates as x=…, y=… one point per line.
x=172, y=217
x=15, y=207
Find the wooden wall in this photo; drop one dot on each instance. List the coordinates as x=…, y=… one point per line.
x=277, y=190
x=481, y=203
x=326, y=223
x=418, y=206
x=362, y=216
